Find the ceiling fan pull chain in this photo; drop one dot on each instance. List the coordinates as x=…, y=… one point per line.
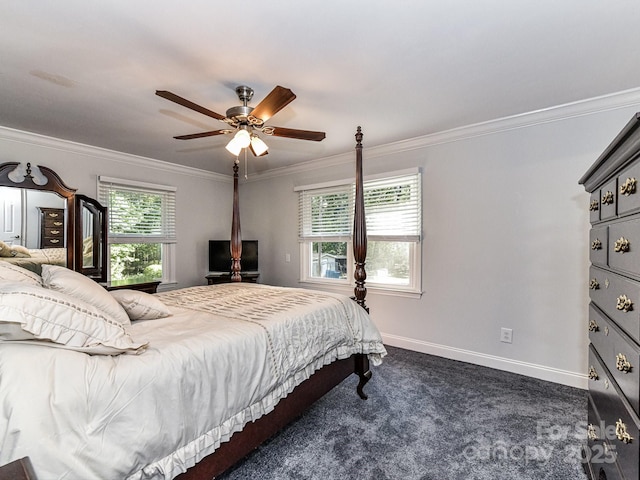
x=245, y=164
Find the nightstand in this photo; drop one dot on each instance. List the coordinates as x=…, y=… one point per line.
x=215, y=278
x=147, y=287
x=18, y=470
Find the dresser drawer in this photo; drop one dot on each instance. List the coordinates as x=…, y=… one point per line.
x=624, y=246
x=55, y=222
x=53, y=213
x=618, y=297
x=608, y=201
x=598, y=244
x=628, y=196
x=619, y=353
x=600, y=457
x=54, y=232
x=617, y=425
x=52, y=242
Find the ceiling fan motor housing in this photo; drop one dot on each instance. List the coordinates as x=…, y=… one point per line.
x=239, y=114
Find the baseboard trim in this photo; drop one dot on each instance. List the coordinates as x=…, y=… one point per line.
x=542, y=372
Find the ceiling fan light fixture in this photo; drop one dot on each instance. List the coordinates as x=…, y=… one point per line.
x=258, y=146
x=243, y=138
x=234, y=147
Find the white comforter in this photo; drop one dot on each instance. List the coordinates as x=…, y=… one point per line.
x=225, y=357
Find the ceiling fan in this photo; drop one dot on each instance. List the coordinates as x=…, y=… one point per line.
x=246, y=120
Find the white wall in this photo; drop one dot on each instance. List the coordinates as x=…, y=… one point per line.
x=203, y=200
x=505, y=237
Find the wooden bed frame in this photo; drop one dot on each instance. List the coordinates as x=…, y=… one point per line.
x=322, y=381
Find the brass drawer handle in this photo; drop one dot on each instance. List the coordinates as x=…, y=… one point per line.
x=607, y=198
x=593, y=326
x=628, y=187
x=624, y=303
x=58, y=224
x=55, y=232
x=622, y=363
x=53, y=215
x=593, y=206
x=593, y=284
x=621, y=432
x=596, y=245
x=593, y=375
x=621, y=245
x=54, y=240
x=591, y=432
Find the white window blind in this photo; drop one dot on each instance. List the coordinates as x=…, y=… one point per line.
x=326, y=213
x=393, y=210
x=138, y=212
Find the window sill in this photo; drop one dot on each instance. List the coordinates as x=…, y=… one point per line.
x=347, y=289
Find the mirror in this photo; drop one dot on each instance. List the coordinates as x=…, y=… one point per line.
x=20, y=217
x=91, y=238
x=37, y=213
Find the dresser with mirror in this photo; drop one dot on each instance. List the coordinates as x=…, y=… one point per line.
x=34, y=203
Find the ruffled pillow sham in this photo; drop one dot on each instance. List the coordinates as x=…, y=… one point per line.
x=38, y=315
x=83, y=288
x=140, y=305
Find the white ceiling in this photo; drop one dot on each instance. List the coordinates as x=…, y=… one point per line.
x=87, y=71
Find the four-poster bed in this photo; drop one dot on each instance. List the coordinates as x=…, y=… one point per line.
x=219, y=370
x=324, y=379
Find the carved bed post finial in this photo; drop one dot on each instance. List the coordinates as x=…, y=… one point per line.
x=236, y=237
x=359, y=229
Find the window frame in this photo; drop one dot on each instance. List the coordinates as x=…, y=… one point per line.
x=167, y=240
x=414, y=286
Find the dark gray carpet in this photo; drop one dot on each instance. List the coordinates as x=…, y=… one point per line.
x=430, y=418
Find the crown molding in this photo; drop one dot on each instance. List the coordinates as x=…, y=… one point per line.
x=614, y=101
x=52, y=143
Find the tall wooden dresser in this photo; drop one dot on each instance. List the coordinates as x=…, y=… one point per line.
x=52, y=227
x=613, y=437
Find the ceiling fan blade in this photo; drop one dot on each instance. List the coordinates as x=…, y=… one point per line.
x=299, y=134
x=212, y=133
x=189, y=104
x=277, y=99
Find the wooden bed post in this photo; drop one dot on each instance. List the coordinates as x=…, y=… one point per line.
x=360, y=254
x=359, y=229
x=236, y=236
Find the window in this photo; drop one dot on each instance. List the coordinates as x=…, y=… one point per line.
x=142, y=233
x=394, y=222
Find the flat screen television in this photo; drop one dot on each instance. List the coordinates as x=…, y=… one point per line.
x=220, y=256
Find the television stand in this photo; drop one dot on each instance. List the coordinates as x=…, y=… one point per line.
x=215, y=278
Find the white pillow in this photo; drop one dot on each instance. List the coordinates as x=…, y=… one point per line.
x=57, y=319
x=83, y=288
x=140, y=305
x=14, y=274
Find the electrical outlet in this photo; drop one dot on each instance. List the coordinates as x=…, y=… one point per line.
x=506, y=335
x=287, y=257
